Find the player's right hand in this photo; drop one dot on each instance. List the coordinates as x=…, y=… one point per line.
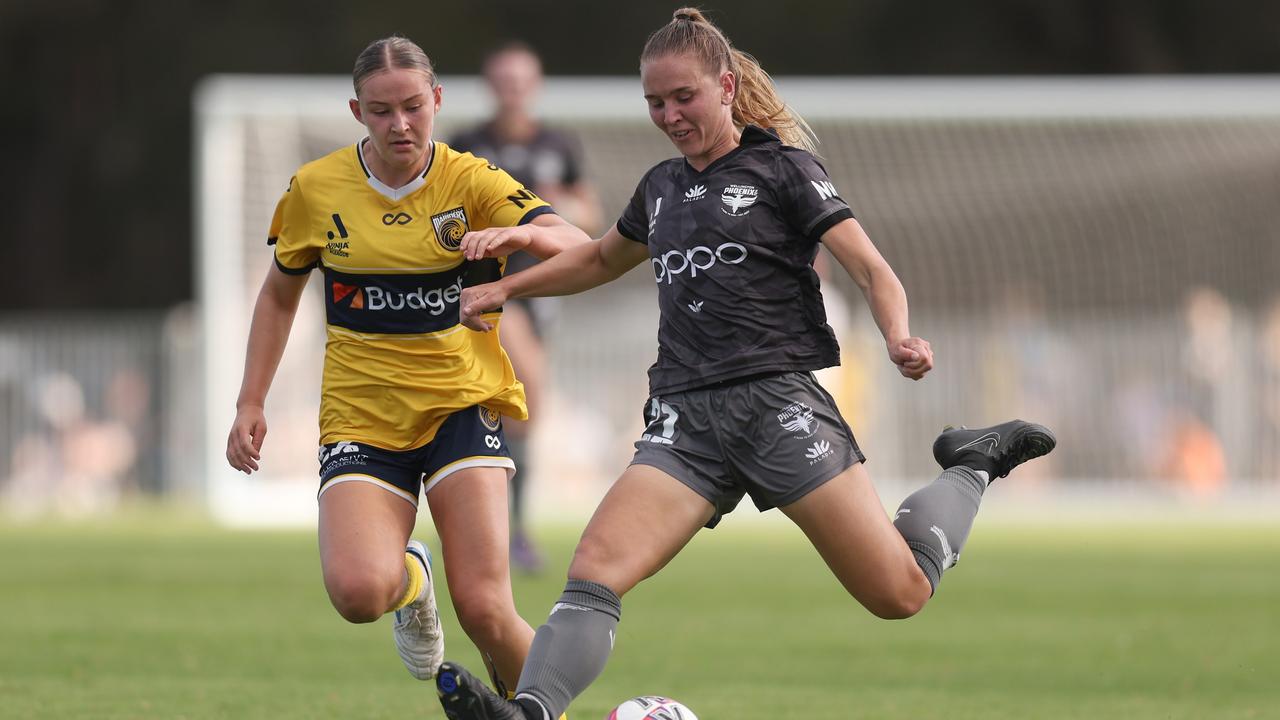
x=496, y=242
x=244, y=443
x=913, y=356
x=478, y=300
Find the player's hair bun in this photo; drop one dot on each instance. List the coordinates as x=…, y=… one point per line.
x=691, y=14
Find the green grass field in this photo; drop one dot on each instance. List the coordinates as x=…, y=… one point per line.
x=138, y=619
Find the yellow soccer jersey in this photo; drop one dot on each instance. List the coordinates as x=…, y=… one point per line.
x=397, y=361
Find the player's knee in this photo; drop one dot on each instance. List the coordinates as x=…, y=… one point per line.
x=593, y=561
x=899, y=603
x=360, y=597
x=482, y=615
x=896, y=608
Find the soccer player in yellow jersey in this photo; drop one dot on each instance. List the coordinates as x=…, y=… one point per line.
x=411, y=400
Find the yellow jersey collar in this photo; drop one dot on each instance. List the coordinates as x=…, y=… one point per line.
x=394, y=194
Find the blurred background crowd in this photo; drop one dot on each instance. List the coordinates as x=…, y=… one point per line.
x=1112, y=278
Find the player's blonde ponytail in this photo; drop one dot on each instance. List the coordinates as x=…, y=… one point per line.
x=391, y=52
x=756, y=101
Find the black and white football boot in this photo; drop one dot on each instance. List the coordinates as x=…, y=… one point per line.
x=997, y=449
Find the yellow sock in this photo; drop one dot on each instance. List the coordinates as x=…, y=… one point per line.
x=417, y=578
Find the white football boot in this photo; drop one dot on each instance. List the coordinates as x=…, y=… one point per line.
x=419, y=637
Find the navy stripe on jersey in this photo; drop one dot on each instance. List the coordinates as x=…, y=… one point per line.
x=294, y=271
x=402, y=304
x=360, y=157
x=529, y=216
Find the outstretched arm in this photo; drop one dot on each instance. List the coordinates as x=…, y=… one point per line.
x=888, y=300
x=543, y=237
x=578, y=268
x=272, y=319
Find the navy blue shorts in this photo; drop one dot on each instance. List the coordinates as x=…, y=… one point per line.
x=468, y=438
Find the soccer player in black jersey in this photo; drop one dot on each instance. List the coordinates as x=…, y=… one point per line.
x=731, y=229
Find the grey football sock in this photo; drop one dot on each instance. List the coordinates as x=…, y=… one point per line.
x=571, y=649
x=936, y=519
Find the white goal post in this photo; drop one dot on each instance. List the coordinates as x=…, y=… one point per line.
x=1040, y=225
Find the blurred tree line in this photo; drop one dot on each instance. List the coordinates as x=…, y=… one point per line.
x=97, y=114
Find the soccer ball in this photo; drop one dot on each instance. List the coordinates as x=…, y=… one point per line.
x=651, y=707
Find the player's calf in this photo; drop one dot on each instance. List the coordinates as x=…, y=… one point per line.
x=936, y=519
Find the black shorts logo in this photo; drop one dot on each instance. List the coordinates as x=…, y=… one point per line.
x=490, y=418
x=797, y=419
x=341, y=454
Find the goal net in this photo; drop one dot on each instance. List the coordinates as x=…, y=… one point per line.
x=1096, y=255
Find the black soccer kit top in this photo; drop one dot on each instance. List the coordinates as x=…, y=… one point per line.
x=732, y=251
x=549, y=157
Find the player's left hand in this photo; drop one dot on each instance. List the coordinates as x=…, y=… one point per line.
x=476, y=301
x=496, y=242
x=913, y=356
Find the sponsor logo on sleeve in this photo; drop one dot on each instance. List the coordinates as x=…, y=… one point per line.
x=825, y=189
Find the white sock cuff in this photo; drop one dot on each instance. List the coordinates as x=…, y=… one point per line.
x=546, y=715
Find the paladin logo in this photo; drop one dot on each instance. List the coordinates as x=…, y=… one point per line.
x=450, y=226
x=798, y=420
x=342, y=292
x=397, y=219
x=697, y=192
x=737, y=198
x=820, y=451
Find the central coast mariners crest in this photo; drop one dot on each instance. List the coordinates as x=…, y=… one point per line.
x=450, y=226
x=490, y=418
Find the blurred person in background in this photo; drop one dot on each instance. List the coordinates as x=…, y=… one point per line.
x=77, y=461
x=1270, y=396
x=731, y=229
x=548, y=161
x=411, y=402
x=1195, y=458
